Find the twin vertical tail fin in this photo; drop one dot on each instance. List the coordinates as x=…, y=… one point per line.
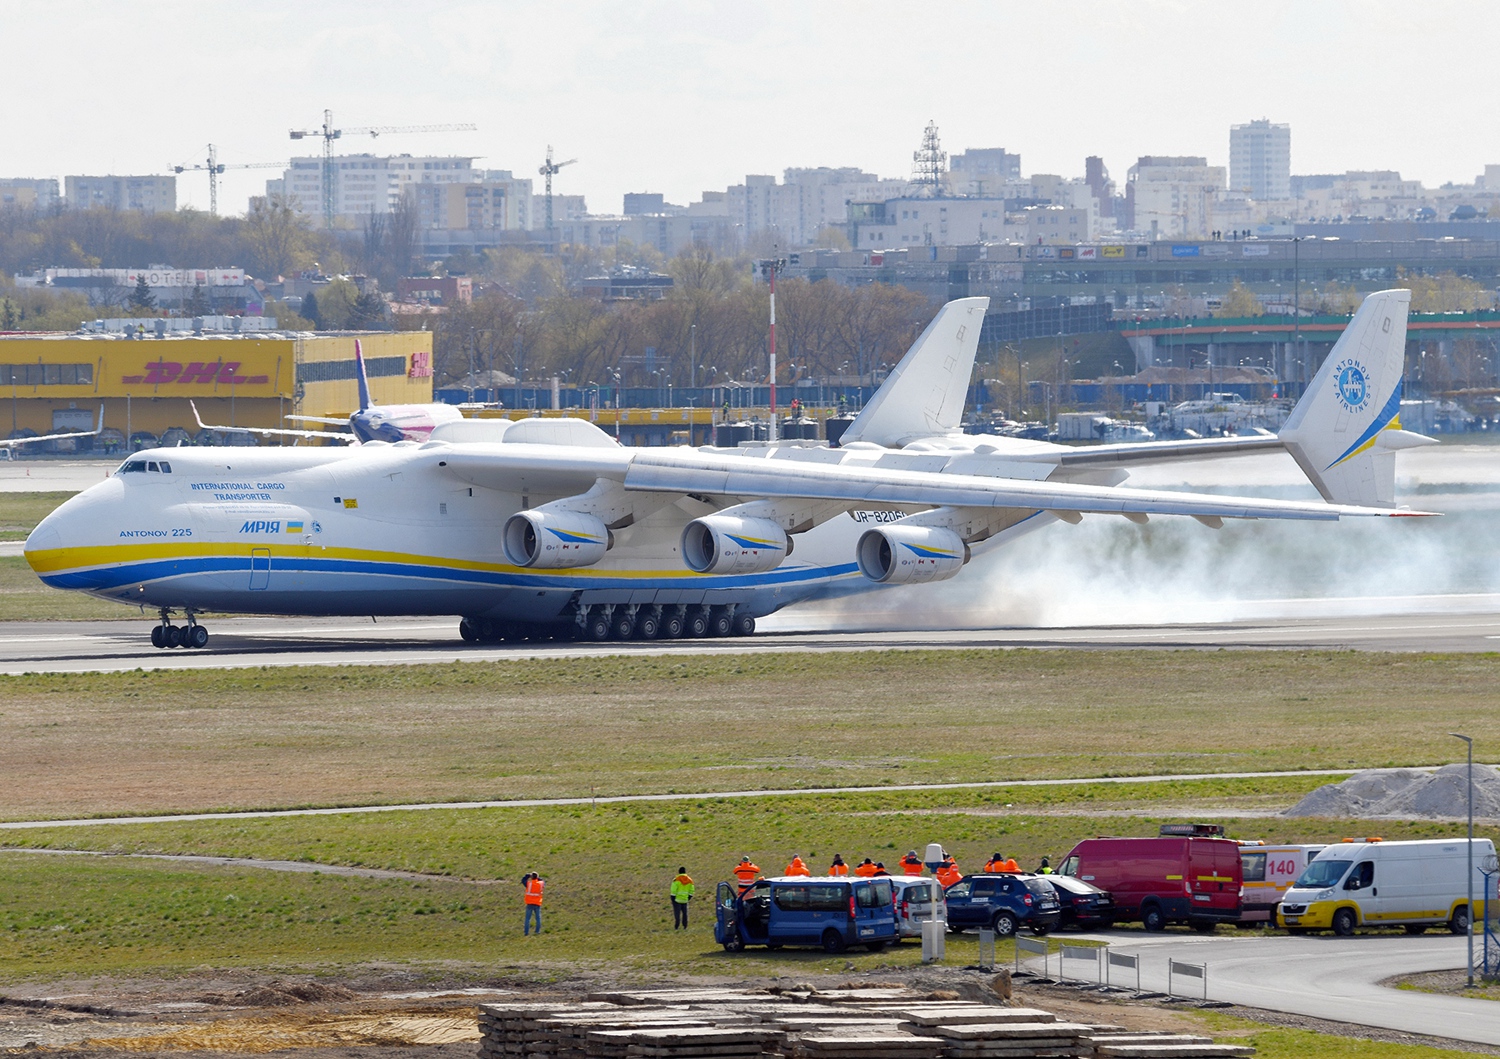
x=364, y=382
x=1345, y=431
x=924, y=395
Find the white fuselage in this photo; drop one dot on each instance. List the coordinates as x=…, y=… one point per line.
x=387, y=529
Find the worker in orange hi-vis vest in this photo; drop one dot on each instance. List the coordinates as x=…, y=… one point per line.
x=865, y=870
x=838, y=867
x=746, y=871
x=948, y=873
x=797, y=867
x=995, y=863
x=532, y=882
x=911, y=864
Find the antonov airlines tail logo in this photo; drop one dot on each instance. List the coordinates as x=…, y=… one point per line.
x=1353, y=385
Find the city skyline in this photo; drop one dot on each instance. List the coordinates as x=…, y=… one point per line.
x=680, y=98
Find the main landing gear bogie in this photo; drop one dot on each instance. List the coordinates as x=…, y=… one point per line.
x=602, y=622
x=168, y=635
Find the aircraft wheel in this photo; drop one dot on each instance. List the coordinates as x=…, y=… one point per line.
x=744, y=625
x=158, y=636
x=487, y=631
x=697, y=623
x=672, y=625
x=648, y=625
x=622, y=625
x=597, y=626
x=719, y=622
x=467, y=631
x=195, y=636
x=173, y=636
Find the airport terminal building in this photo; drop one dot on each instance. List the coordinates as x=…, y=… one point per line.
x=58, y=382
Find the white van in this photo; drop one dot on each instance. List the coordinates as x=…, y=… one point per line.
x=1269, y=871
x=1411, y=884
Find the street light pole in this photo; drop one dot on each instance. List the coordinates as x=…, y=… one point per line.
x=1470, y=930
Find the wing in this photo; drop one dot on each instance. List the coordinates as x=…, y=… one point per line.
x=1148, y=452
x=321, y=419
x=704, y=473
x=559, y=470
x=284, y=432
x=11, y=443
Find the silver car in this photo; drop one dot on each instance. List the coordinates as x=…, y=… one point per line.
x=914, y=897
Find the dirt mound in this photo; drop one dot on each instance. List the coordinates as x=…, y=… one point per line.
x=281, y=994
x=1407, y=794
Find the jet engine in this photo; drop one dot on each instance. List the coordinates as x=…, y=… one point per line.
x=910, y=555
x=551, y=540
x=732, y=544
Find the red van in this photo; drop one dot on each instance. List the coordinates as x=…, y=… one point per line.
x=1188, y=874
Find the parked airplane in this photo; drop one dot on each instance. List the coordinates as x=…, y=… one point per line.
x=371, y=422
x=15, y=443
x=551, y=528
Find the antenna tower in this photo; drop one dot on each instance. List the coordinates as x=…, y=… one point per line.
x=929, y=164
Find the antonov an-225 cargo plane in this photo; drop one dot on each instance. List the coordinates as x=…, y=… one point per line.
x=548, y=527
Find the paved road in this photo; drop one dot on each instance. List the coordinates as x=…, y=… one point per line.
x=1322, y=977
x=107, y=646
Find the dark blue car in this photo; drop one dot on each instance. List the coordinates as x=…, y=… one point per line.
x=1003, y=902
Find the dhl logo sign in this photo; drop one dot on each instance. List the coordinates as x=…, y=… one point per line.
x=196, y=373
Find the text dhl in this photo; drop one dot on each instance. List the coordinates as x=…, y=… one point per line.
x=215, y=373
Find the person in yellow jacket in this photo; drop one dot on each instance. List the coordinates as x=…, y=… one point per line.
x=798, y=866
x=532, y=882
x=682, y=892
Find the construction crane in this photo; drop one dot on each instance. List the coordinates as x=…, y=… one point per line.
x=548, y=168
x=216, y=168
x=329, y=134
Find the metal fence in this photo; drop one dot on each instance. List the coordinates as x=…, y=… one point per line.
x=1124, y=962
x=1031, y=948
x=1079, y=954
x=1186, y=970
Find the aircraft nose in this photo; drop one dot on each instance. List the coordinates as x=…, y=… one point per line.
x=43, y=538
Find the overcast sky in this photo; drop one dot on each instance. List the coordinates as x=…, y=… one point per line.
x=680, y=97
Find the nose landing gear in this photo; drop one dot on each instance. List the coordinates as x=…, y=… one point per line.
x=168, y=635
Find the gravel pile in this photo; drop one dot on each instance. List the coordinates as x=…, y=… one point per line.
x=1407, y=794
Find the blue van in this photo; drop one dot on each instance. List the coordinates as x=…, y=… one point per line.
x=833, y=913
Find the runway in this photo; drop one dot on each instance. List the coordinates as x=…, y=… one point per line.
x=1323, y=977
x=1445, y=625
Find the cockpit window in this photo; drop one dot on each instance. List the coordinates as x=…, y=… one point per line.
x=132, y=466
x=166, y=468
x=152, y=466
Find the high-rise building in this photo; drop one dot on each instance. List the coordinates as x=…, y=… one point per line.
x=367, y=183
x=146, y=194
x=1169, y=197
x=1260, y=160
x=26, y=192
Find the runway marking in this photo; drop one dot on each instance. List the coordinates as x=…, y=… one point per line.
x=616, y=799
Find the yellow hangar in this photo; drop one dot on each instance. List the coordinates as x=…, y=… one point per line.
x=57, y=383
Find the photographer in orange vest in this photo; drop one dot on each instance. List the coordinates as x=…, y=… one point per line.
x=532, y=882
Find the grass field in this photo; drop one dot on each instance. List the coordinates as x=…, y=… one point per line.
x=20, y=512
x=23, y=597
x=194, y=740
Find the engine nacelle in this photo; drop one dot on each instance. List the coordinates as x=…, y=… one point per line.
x=910, y=555
x=551, y=540
x=731, y=544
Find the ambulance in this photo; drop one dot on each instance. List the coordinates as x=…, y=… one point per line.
x=1370, y=882
x=1269, y=871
